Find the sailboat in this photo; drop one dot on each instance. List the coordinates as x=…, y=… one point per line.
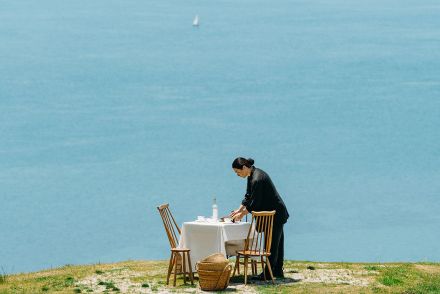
x=196, y=21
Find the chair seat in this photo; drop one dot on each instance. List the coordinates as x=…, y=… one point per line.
x=180, y=249
x=253, y=253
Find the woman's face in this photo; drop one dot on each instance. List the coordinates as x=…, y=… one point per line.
x=241, y=172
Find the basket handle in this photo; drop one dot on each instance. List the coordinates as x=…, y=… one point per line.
x=227, y=267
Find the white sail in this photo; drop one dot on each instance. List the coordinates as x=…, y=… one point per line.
x=196, y=21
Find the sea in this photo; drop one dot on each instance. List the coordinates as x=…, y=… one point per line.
x=109, y=108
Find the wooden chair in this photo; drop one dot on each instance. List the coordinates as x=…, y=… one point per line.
x=232, y=247
x=236, y=245
x=178, y=255
x=258, y=243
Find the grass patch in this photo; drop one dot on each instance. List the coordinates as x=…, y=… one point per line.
x=155, y=288
x=407, y=279
x=3, y=276
x=267, y=289
x=42, y=279
x=395, y=276
x=45, y=288
x=118, y=269
x=312, y=288
x=371, y=268
x=69, y=281
x=428, y=284
x=109, y=286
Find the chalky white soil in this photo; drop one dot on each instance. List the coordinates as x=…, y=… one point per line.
x=121, y=278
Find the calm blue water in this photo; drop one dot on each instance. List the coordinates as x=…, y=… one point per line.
x=110, y=108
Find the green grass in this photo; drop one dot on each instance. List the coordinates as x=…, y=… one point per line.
x=429, y=284
x=410, y=279
x=371, y=268
x=109, y=286
x=69, y=281
x=3, y=276
x=394, y=276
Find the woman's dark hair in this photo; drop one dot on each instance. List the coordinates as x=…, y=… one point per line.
x=239, y=162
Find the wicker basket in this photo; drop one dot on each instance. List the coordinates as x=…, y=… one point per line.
x=214, y=272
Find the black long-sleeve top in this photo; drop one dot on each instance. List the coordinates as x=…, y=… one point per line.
x=261, y=195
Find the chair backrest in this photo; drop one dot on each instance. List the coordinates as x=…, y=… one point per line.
x=171, y=227
x=259, y=237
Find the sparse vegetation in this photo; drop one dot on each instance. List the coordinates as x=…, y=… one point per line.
x=371, y=267
x=301, y=277
x=45, y=288
x=3, y=276
x=109, y=285
x=69, y=281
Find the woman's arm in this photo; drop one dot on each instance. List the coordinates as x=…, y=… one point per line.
x=242, y=214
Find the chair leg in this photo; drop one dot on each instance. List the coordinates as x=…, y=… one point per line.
x=245, y=269
x=262, y=266
x=191, y=275
x=184, y=267
x=236, y=264
x=170, y=267
x=175, y=269
x=270, y=269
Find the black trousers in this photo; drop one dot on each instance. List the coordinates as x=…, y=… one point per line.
x=276, y=257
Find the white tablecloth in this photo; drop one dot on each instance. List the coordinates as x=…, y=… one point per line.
x=204, y=238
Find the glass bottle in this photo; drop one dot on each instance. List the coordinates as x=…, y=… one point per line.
x=214, y=210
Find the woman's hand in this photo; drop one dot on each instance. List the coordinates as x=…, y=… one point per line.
x=234, y=213
x=239, y=215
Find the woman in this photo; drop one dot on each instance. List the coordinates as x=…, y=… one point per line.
x=261, y=195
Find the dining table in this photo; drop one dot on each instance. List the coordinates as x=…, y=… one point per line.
x=204, y=238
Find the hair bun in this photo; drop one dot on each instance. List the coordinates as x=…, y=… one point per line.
x=251, y=161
